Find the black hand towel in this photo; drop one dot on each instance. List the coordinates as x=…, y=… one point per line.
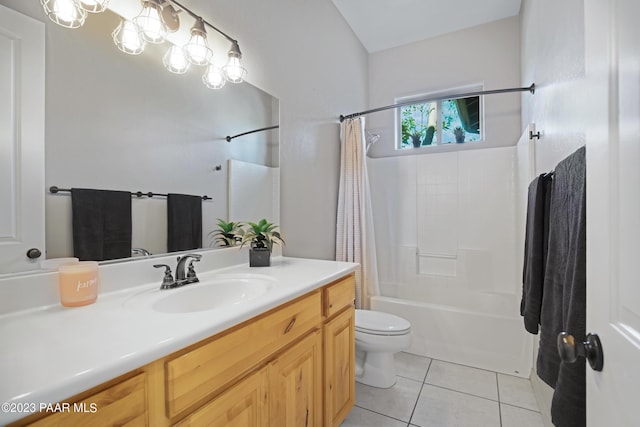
x=101, y=224
x=535, y=252
x=564, y=297
x=184, y=222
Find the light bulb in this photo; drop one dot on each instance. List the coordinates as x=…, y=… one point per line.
x=93, y=6
x=175, y=60
x=127, y=38
x=65, y=13
x=197, y=49
x=213, y=77
x=149, y=23
x=234, y=71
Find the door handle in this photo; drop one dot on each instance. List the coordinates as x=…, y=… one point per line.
x=569, y=350
x=33, y=253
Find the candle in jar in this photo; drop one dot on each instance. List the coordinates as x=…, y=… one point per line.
x=78, y=283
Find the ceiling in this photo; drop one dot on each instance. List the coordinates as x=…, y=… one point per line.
x=383, y=24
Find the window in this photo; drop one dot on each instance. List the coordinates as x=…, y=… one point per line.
x=448, y=121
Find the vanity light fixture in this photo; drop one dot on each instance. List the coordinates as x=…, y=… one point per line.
x=197, y=49
x=127, y=38
x=65, y=13
x=150, y=24
x=213, y=78
x=234, y=71
x=93, y=6
x=155, y=20
x=175, y=60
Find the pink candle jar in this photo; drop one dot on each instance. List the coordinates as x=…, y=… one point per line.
x=78, y=283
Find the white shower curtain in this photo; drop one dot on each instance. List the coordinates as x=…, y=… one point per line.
x=355, y=240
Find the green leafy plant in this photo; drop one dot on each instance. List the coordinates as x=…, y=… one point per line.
x=262, y=235
x=228, y=233
x=412, y=130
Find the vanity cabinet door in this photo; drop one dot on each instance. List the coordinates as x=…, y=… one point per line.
x=243, y=405
x=295, y=384
x=339, y=367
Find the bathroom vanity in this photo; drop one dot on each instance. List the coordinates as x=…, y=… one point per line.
x=281, y=356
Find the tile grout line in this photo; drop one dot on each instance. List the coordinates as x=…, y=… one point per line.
x=463, y=392
x=381, y=414
x=420, y=392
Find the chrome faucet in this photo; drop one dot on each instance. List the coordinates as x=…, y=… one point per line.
x=140, y=251
x=185, y=272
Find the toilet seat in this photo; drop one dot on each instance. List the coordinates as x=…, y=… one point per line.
x=379, y=323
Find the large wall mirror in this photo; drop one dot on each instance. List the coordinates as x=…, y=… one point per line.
x=121, y=122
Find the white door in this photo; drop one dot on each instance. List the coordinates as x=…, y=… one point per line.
x=613, y=209
x=22, y=59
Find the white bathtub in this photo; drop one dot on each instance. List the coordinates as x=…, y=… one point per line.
x=480, y=330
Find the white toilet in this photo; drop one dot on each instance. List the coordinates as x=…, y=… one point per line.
x=378, y=337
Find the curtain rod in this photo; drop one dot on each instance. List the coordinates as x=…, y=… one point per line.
x=531, y=89
x=229, y=138
x=139, y=194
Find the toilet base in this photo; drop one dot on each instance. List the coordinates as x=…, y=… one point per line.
x=375, y=369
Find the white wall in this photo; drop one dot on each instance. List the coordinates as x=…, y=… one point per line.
x=448, y=220
x=553, y=56
x=487, y=54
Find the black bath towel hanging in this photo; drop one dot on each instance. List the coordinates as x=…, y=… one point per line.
x=184, y=222
x=535, y=250
x=564, y=295
x=101, y=224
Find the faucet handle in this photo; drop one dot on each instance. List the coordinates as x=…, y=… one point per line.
x=167, y=280
x=191, y=274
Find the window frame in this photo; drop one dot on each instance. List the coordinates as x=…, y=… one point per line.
x=451, y=93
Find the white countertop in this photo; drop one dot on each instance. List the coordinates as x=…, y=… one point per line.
x=51, y=353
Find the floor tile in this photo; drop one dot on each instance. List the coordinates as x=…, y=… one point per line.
x=517, y=392
x=411, y=366
x=438, y=407
x=396, y=402
x=463, y=378
x=359, y=417
x=518, y=417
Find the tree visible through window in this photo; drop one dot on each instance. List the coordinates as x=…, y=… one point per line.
x=451, y=121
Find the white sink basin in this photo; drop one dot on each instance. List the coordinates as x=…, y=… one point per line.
x=206, y=295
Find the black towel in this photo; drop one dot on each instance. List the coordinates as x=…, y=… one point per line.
x=535, y=251
x=101, y=224
x=184, y=222
x=564, y=295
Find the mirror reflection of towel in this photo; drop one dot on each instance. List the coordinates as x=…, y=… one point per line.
x=101, y=224
x=184, y=222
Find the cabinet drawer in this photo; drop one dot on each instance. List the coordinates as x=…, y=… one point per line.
x=123, y=404
x=339, y=295
x=204, y=371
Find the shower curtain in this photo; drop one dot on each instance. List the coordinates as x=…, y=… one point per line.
x=354, y=232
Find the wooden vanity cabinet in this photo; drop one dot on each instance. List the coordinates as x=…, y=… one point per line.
x=339, y=351
x=291, y=366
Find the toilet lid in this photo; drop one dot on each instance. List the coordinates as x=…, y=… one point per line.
x=379, y=323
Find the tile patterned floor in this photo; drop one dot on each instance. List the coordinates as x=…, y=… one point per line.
x=433, y=393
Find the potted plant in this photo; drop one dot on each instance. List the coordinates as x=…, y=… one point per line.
x=262, y=236
x=459, y=134
x=416, y=139
x=228, y=233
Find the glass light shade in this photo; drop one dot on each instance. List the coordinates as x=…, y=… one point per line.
x=127, y=38
x=65, y=13
x=149, y=23
x=213, y=77
x=234, y=71
x=93, y=6
x=175, y=60
x=197, y=49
